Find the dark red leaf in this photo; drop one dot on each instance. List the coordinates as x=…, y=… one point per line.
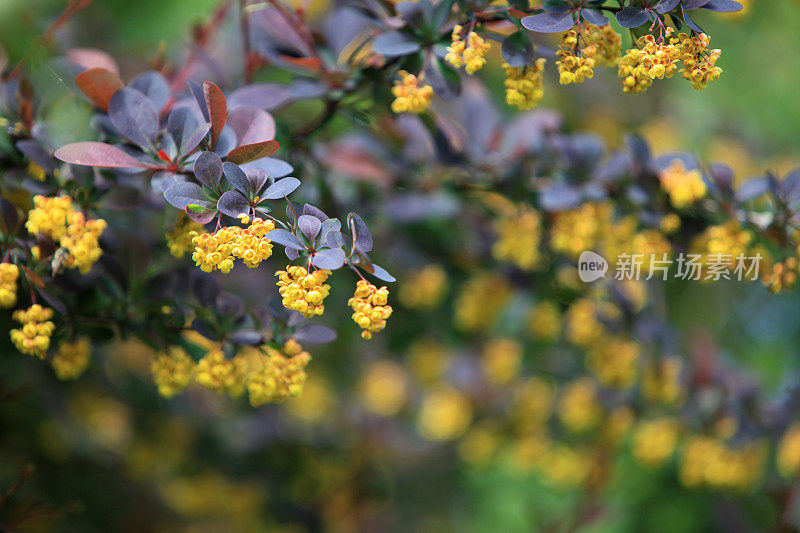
x=217, y=109
x=249, y=152
x=96, y=154
x=99, y=85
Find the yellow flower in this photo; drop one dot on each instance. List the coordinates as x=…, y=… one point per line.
x=544, y=321
x=684, y=187
x=501, y=360
x=788, y=453
x=471, y=55
x=661, y=381
x=579, y=410
x=179, y=240
x=383, y=388
x=218, y=250
x=480, y=443
x=71, y=359
x=410, y=95
x=710, y=462
x=482, y=299
x=524, y=85
x=9, y=273
x=424, y=288
x=303, y=291
x=445, y=414
x=652, y=60
x=575, y=66
x=220, y=374
x=614, y=361
x=370, y=309
x=654, y=441
x=519, y=237
x=276, y=375
x=700, y=63
x=172, y=371
x=34, y=336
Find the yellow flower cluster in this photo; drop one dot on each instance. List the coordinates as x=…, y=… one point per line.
x=700, y=63
x=575, y=63
x=583, y=326
x=411, y=96
x=220, y=374
x=424, y=288
x=661, y=381
x=36, y=172
x=710, y=462
x=218, y=250
x=370, y=309
x=445, y=414
x=277, y=375
x=579, y=409
x=788, y=453
x=607, y=41
x=614, y=361
x=780, y=276
x=727, y=239
x=303, y=291
x=502, y=360
x=71, y=359
x=9, y=273
x=58, y=219
x=383, y=388
x=580, y=229
x=34, y=336
x=655, y=441
x=563, y=466
x=180, y=239
x=519, y=237
x=482, y=299
x=172, y=371
x=684, y=187
x=524, y=85
x=639, y=67
x=544, y=321
x=470, y=54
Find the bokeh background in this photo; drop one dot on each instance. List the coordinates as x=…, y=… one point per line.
x=107, y=453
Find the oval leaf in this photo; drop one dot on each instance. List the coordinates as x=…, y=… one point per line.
x=217, y=109
x=394, y=43
x=251, y=152
x=632, y=17
x=329, y=259
x=549, y=22
x=99, y=85
x=381, y=274
x=233, y=204
x=153, y=85
x=96, y=154
x=363, y=238
x=236, y=177
x=284, y=238
x=310, y=226
x=208, y=169
x=134, y=116
x=182, y=194
x=314, y=334
x=281, y=188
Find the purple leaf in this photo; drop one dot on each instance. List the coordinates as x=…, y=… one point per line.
x=632, y=17
x=329, y=259
x=267, y=96
x=154, y=86
x=37, y=153
x=183, y=193
x=361, y=234
x=694, y=4
x=549, y=22
x=309, y=225
x=281, y=188
x=134, y=116
x=277, y=168
x=236, y=177
x=96, y=154
x=233, y=204
x=381, y=274
x=723, y=6
x=251, y=125
x=208, y=169
x=309, y=209
x=315, y=334
x=203, y=217
x=395, y=43
x=199, y=97
x=217, y=109
x=181, y=124
x=198, y=135
x=284, y=238
x=334, y=238
x=258, y=177
x=594, y=16
x=667, y=5
x=689, y=22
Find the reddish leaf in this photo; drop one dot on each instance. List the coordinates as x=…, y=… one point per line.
x=251, y=125
x=92, y=58
x=217, y=109
x=99, y=85
x=309, y=63
x=33, y=278
x=96, y=154
x=249, y=152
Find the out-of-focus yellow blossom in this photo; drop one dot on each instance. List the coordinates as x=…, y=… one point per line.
x=370, y=308
x=471, y=54
x=424, y=288
x=501, y=360
x=411, y=96
x=316, y=402
x=617, y=425
x=220, y=374
x=787, y=457
x=9, y=273
x=275, y=375
x=580, y=229
x=661, y=381
x=480, y=443
x=179, y=240
x=709, y=462
x=578, y=409
x=533, y=402
x=481, y=300
x=58, y=219
x=525, y=85
x=445, y=414
x=107, y=422
x=780, y=276
x=383, y=388
x=428, y=360
x=36, y=172
x=33, y=338
x=172, y=371
x=670, y=223
x=528, y=450
x=519, y=237
x=726, y=240
x=218, y=250
x=71, y=358
x=654, y=441
x=651, y=242
x=303, y=291
x=544, y=321
x=699, y=63
x=565, y=467
x=614, y=361
x=684, y=187
x=583, y=326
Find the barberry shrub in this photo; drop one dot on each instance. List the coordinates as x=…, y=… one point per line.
x=204, y=236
